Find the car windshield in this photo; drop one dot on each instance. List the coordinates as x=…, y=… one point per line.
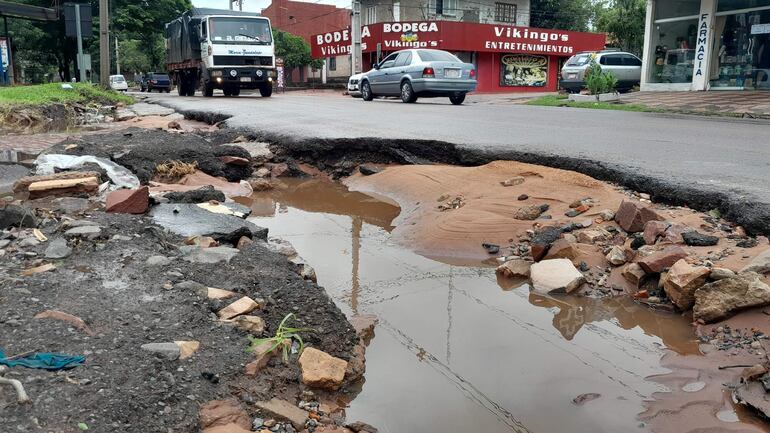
x=437, y=56
x=252, y=31
x=579, y=60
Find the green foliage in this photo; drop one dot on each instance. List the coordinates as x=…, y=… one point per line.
x=294, y=50
x=624, y=21
x=283, y=338
x=576, y=15
x=598, y=81
x=562, y=101
x=42, y=94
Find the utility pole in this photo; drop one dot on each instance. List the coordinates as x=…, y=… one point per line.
x=79, y=33
x=117, y=56
x=356, y=24
x=104, y=43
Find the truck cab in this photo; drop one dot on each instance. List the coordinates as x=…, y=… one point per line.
x=220, y=49
x=237, y=52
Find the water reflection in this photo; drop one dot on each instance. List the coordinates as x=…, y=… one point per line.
x=458, y=350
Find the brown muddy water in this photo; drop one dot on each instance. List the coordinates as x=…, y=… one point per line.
x=457, y=351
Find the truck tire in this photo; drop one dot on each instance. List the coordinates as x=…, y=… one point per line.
x=181, y=89
x=266, y=90
x=208, y=89
x=236, y=91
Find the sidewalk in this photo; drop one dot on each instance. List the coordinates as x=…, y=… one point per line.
x=750, y=104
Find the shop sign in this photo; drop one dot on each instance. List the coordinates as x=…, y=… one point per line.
x=330, y=44
x=700, y=46
x=460, y=36
x=4, y=56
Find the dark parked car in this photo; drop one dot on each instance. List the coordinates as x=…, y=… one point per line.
x=420, y=73
x=155, y=81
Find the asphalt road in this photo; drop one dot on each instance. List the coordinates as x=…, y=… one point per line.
x=726, y=155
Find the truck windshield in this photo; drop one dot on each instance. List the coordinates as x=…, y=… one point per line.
x=239, y=30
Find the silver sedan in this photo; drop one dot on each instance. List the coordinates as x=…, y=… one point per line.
x=418, y=73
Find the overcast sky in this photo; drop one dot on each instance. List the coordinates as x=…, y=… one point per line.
x=258, y=5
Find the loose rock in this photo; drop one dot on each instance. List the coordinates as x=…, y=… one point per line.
x=16, y=216
x=632, y=216
x=760, y=264
x=682, y=280
x=200, y=195
x=89, y=232
x=283, y=410
x=617, y=256
x=658, y=261
x=558, y=275
x=244, y=305
x=57, y=249
x=133, y=201
x=695, y=239
x=717, y=300
x=321, y=370
x=170, y=350
x=530, y=213
x=514, y=269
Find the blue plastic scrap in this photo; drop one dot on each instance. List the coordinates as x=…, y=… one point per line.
x=45, y=361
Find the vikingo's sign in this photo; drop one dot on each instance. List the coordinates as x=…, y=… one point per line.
x=457, y=36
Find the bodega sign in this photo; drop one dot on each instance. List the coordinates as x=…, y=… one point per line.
x=458, y=36
x=331, y=44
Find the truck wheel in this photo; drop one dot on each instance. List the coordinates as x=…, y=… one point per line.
x=266, y=90
x=227, y=91
x=181, y=88
x=208, y=89
x=236, y=91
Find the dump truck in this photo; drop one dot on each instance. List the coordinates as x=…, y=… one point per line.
x=211, y=49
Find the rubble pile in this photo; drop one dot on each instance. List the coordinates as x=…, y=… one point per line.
x=157, y=287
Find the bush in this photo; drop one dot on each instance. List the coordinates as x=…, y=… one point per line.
x=598, y=81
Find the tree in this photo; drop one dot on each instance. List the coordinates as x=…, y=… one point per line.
x=575, y=15
x=624, y=21
x=294, y=50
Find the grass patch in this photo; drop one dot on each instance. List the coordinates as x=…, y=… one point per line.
x=43, y=94
x=282, y=340
x=562, y=101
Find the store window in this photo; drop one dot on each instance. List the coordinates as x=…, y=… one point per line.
x=444, y=7
x=332, y=63
x=741, y=55
x=674, y=57
x=523, y=70
x=371, y=15
x=505, y=13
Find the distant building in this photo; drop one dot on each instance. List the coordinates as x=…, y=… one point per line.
x=305, y=20
x=511, y=12
x=493, y=35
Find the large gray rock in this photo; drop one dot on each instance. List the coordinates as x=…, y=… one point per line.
x=170, y=350
x=12, y=215
x=58, y=249
x=88, y=232
x=145, y=109
x=718, y=300
x=191, y=220
x=760, y=264
x=196, y=254
x=557, y=275
x=9, y=174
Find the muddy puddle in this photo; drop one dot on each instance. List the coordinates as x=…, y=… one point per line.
x=456, y=350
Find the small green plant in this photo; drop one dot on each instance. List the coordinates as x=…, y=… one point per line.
x=598, y=81
x=283, y=338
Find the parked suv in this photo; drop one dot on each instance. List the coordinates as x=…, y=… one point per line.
x=155, y=81
x=626, y=67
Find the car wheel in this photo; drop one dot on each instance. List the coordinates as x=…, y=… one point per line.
x=457, y=98
x=407, y=92
x=366, y=91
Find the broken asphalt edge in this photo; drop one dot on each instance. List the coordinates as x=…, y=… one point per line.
x=738, y=207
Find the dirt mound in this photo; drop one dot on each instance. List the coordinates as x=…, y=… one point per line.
x=127, y=302
x=485, y=208
x=142, y=150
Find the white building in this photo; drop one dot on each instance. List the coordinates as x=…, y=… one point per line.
x=707, y=45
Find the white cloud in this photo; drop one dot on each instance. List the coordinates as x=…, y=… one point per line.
x=258, y=5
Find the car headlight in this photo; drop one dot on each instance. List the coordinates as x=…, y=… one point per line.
x=216, y=73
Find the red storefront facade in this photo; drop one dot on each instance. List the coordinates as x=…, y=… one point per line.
x=507, y=58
